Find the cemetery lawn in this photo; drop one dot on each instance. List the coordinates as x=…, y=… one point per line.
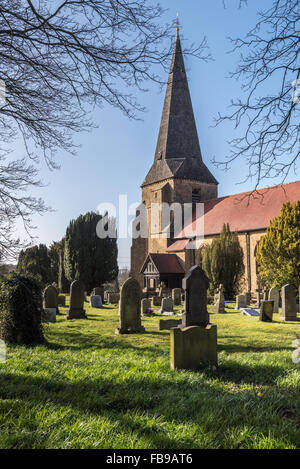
x=89, y=388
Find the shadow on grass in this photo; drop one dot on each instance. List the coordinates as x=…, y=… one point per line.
x=178, y=401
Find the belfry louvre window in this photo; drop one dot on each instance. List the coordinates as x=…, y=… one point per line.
x=196, y=196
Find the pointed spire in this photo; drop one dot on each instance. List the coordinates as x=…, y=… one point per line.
x=178, y=137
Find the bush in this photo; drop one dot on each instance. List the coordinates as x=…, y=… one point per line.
x=21, y=311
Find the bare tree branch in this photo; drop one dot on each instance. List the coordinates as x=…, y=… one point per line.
x=270, y=72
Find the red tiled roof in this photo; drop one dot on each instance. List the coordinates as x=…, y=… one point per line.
x=166, y=263
x=246, y=211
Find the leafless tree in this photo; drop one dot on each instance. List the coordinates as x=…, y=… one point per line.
x=269, y=68
x=59, y=59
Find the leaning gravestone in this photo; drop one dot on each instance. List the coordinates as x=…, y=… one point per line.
x=145, y=306
x=274, y=296
x=194, y=344
x=176, y=295
x=50, y=296
x=241, y=302
x=266, y=311
x=130, y=308
x=289, y=305
x=76, y=310
x=96, y=301
x=166, y=306
x=219, y=306
x=168, y=324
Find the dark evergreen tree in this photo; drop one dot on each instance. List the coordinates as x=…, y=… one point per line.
x=36, y=262
x=223, y=262
x=87, y=257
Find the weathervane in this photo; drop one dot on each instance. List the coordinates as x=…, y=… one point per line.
x=177, y=22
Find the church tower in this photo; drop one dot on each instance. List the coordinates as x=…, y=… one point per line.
x=178, y=173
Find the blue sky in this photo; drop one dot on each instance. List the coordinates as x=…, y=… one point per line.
x=115, y=157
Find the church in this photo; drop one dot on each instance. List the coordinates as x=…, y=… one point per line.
x=179, y=175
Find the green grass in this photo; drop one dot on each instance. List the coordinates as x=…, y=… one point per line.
x=89, y=388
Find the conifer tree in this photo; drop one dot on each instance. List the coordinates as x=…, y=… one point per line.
x=87, y=257
x=223, y=262
x=278, y=251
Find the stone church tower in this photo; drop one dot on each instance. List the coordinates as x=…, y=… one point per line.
x=178, y=173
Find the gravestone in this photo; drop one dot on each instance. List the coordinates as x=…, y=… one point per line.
x=106, y=293
x=248, y=297
x=61, y=300
x=168, y=324
x=176, y=295
x=156, y=300
x=258, y=298
x=98, y=291
x=241, y=302
x=166, y=306
x=249, y=312
x=113, y=298
x=146, y=307
x=96, y=301
x=289, y=305
x=266, y=311
x=49, y=315
x=50, y=297
x=274, y=296
x=193, y=345
x=76, y=310
x=265, y=294
x=130, y=308
x=219, y=306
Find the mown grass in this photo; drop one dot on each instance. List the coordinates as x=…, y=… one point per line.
x=89, y=388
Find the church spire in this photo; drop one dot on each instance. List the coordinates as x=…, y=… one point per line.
x=178, y=137
x=178, y=154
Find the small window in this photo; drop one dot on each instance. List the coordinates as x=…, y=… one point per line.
x=196, y=196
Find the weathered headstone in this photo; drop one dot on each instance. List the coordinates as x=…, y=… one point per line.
x=96, y=301
x=113, y=298
x=49, y=315
x=195, y=285
x=176, y=295
x=219, y=306
x=274, y=296
x=106, y=293
x=61, y=300
x=248, y=297
x=265, y=294
x=249, y=312
x=168, y=324
x=241, y=302
x=193, y=345
x=50, y=296
x=266, y=311
x=166, y=305
x=76, y=310
x=98, y=291
x=146, y=306
x=130, y=308
x=258, y=298
x=289, y=305
x=156, y=300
